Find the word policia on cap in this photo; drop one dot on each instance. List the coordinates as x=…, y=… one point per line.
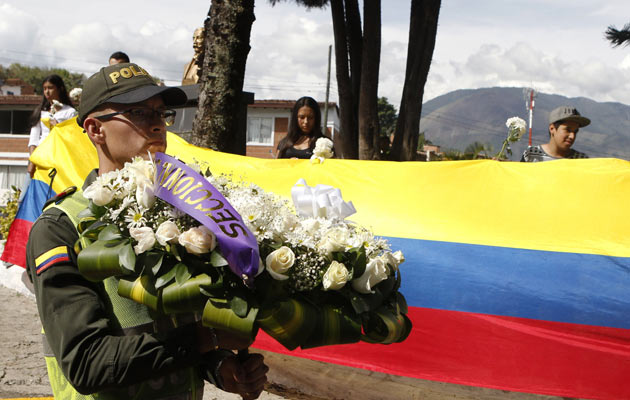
x=127, y=72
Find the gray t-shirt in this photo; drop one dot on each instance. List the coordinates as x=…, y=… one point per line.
x=537, y=153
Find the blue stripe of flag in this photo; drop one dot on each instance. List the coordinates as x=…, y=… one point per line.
x=563, y=287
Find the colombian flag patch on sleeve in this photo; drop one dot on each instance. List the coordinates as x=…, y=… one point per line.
x=50, y=258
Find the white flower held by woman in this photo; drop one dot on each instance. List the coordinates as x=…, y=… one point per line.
x=335, y=276
x=198, y=240
x=322, y=150
x=279, y=261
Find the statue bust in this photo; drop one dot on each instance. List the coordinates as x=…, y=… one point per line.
x=192, y=68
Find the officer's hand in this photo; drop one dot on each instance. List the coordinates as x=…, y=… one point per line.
x=247, y=378
x=231, y=341
x=30, y=169
x=224, y=340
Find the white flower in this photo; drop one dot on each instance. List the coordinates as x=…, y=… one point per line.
x=140, y=170
x=145, y=238
x=75, y=94
x=144, y=194
x=516, y=128
x=393, y=259
x=322, y=150
x=335, y=239
x=198, y=240
x=55, y=106
x=375, y=272
x=279, y=261
x=335, y=277
x=127, y=201
x=100, y=194
x=167, y=232
x=135, y=217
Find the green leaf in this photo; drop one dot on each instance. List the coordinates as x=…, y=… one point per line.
x=153, y=260
x=239, y=306
x=358, y=261
x=110, y=232
x=97, y=211
x=175, y=252
x=217, y=260
x=165, y=279
x=181, y=273
x=359, y=304
x=127, y=257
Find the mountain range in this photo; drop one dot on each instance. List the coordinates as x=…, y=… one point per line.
x=462, y=117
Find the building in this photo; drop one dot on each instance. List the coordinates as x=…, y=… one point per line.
x=17, y=102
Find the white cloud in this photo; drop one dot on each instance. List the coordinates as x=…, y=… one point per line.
x=524, y=65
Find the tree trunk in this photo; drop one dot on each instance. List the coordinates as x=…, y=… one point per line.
x=422, y=32
x=368, y=97
x=228, y=28
x=347, y=142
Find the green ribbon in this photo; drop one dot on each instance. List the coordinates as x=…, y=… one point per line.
x=218, y=314
x=186, y=297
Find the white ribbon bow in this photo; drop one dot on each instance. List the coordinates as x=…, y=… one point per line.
x=320, y=201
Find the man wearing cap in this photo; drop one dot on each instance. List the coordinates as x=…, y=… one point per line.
x=564, y=123
x=98, y=344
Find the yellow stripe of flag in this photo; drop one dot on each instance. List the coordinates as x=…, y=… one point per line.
x=51, y=253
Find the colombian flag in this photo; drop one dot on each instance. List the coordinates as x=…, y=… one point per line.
x=517, y=275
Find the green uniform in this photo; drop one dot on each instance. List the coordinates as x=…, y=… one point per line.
x=100, y=346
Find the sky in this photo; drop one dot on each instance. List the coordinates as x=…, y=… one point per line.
x=554, y=46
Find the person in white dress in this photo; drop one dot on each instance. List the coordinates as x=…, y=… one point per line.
x=56, y=107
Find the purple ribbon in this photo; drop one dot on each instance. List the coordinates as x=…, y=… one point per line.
x=187, y=190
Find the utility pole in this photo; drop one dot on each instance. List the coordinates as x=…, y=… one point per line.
x=325, y=122
x=530, y=94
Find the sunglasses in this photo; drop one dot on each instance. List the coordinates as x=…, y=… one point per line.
x=144, y=115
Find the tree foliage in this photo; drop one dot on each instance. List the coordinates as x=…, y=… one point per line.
x=35, y=75
x=387, y=116
x=618, y=37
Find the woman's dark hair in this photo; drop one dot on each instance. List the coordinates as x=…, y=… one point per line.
x=63, y=97
x=294, y=132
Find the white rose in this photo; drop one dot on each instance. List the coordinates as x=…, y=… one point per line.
x=279, y=261
x=335, y=239
x=335, y=277
x=140, y=169
x=99, y=194
x=144, y=194
x=394, y=259
x=323, y=144
x=167, y=232
x=198, y=240
x=145, y=238
x=375, y=272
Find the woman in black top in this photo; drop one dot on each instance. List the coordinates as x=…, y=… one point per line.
x=304, y=130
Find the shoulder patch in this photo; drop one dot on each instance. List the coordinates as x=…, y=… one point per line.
x=51, y=257
x=62, y=195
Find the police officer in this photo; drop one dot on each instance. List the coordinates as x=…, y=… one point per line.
x=98, y=344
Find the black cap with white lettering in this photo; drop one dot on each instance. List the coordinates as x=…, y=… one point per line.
x=124, y=83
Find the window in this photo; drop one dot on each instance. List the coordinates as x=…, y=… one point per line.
x=259, y=130
x=15, y=122
x=12, y=175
